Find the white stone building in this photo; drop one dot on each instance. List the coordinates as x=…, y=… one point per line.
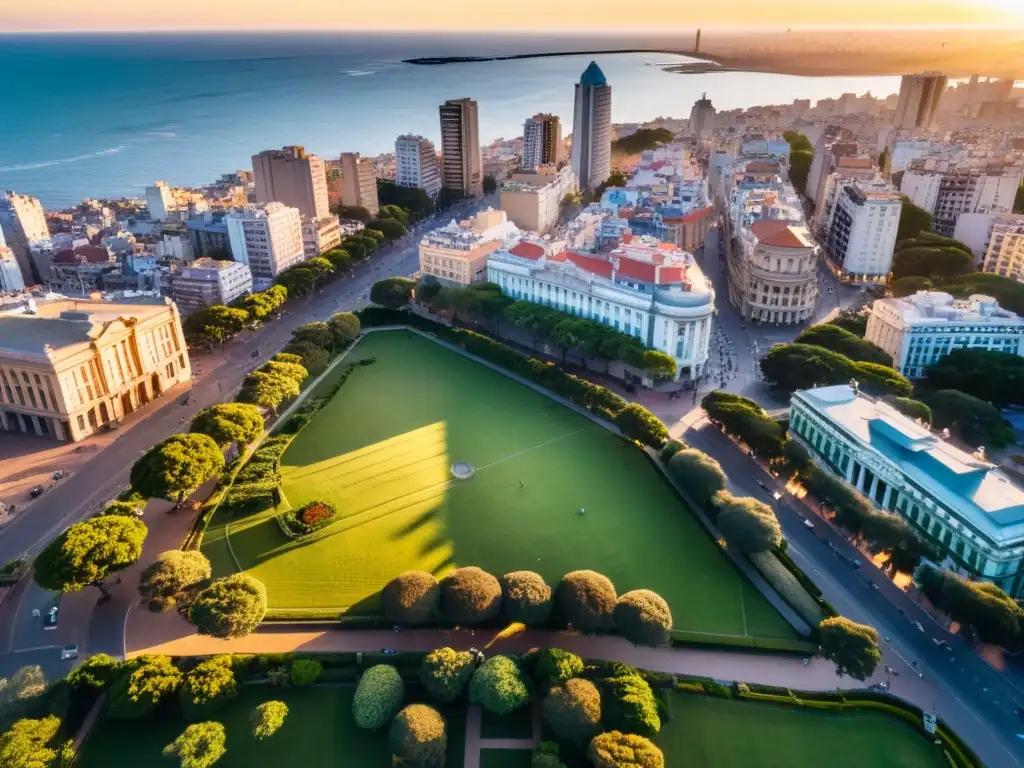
x=862, y=233
x=416, y=164
x=205, y=282
x=268, y=239
x=533, y=201
x=645, y=289
x=920, y=330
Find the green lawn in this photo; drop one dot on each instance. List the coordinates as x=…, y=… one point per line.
x=505, y=758
x=706, y=732
x=381, y=452
x=318, y=733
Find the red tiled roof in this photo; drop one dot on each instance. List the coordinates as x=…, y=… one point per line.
x=636, y=270
x=776, y=232
x=595, y=266
x=526, y=250
x=671, y=275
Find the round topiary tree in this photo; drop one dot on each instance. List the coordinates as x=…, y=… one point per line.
x=746, y=523
x=498, y=685
x=525, y=597
x=230, y=607
x=174, y=468
x=643, y=617
x=573, y=710
x=554, y=666
x=411, y=598
x=624, y=750
x=699, y=474
x=173, y=573
x=418, y=737
x=228, y=423
x=671, y=448
x=207, y=687
x=586, y=601
x=378, y=696
x=628, y=704
x=445, y=672
x=470, y=596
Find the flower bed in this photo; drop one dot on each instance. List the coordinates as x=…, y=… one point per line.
x=308, y=518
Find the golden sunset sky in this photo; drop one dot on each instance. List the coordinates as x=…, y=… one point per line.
x=559, y=15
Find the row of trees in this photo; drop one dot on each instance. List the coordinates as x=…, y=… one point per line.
x=584, y=600
x=994, y=615
x=642, y=140
x=789, y=367
x=801, y=155
x=216, y=324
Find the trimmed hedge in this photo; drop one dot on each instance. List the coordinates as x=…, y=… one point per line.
x=788, y=586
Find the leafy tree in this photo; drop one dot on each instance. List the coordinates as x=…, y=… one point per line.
x=698, y=473
x=89, y=551
x=642, y=140
x=913, y=221
x=445, y=673
x=933, y=256
x=1018, y=200
x=411, y=598
x=378, y=696
x=638, y=423
x=95, y=673
x=321, y=266
x=747, y=524
x=995, y=377
x=298, y=280
x=133, y=508
x=353, y=212
x=797, y=457
x=499, y=686
x=744, y=418
x=418, y=737
x=145, y=681
x=658, y=364
x=261, y=305
x=393, y=292
x=470, y=596
x=845, y=343
x=356, y=249
x=851, y=646
x=629, y=704
x=214, y=324
x=545, y=760
x=554, y=666
x=585, y=600
x=973, y=421
x=26, y=685
x=908, y=286
x=207, y=687
x=173, y=573
x=345, y=328
x=1007, y=291
x=199, y=746
x=392, y=228
x=801, y=366
x=425, y=291
x=412, y=199
x=268, y=390
x=671, y=448
x=230, y=607
x=177, y=466
x=624, y=750
x=643, y=617
x=525, y=598
x=340, y=259
x=573, y=710
x=311, y=357
x=305, y=672
x=318, y=333
x=268, y=718
x=799, y=169
x=883, y=161
x=285, y=370
x=797, y=141
x=395, y=212
x=915, y=409
x=995, y=615
x=853, y=321
x=28, y=743
x=228, y=423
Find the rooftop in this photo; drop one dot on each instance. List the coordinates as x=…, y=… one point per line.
x=975, y=489
x=937, y=308
x=593, y=75
x=781, y=233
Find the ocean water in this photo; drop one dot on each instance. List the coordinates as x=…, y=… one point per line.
x=104, y=116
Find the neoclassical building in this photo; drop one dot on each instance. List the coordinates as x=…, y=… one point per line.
x=650, y=290
x=71, y=367
x=967, y=506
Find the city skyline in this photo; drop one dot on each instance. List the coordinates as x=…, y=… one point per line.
x=446, y=15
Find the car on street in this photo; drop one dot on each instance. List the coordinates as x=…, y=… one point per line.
x=808, y=523
x=50, y=619
x=36, y=491
x=760, y=482
x=69, y=652
x=918, y=625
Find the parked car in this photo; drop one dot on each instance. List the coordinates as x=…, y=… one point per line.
x=36, y=491
x=808, y=523
x=69, y=652
x=50, y=619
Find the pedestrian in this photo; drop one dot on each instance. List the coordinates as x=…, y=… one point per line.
x=520, y=483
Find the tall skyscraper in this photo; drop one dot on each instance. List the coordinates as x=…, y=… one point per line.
x=702, y=117
x=462, y=169
x=292, y=177
x=416, y=164
x=24, y=224
x=592, y=129
x=919, y=100
x=542, y=141
x=159, y=200
x=359, y=183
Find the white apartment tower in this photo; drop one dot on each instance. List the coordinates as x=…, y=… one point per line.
x=862, y=234
x=292, y=177
x=592, y=129
x=919, y=100
x=159, y=200
x=267, y=238
x=23, y=224
x=702, y=117
x=416, y=164
x=542, y=141
x=462, y=168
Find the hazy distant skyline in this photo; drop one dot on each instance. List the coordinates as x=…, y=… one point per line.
x=568, y=15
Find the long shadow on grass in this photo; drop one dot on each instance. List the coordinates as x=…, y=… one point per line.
x=414, y=525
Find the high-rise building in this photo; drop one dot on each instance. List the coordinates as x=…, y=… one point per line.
x=416, y=164
x=292, y=177
x=533, y=201
x=359, y=183
x=592, y=129
x=11, y=280
x=23, y=223
x=542, y=141
x=159, y=200
x=950, y=191
x=919, y=100
x=862, y=234
x=204, y=282
x=702, y=117
x=267, y=238
x=462, y=168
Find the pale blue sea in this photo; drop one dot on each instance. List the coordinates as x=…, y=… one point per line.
x=104, y=116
